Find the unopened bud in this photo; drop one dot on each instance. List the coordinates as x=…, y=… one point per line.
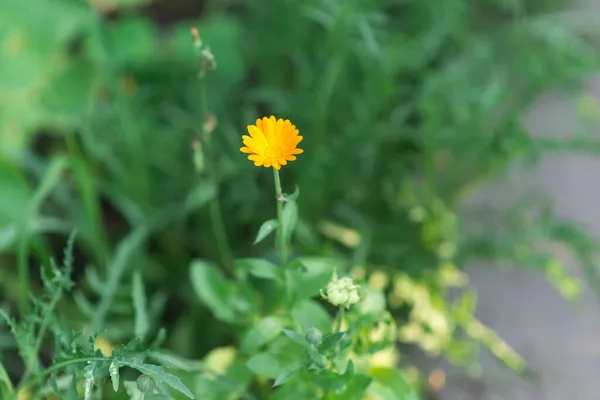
x=313, y=336
x=196, y=37
x=321, y=361
x=145, y=384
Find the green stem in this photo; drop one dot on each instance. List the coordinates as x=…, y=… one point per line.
x=282, y=244
x=33, y=362
x=216, y=216
x=280, y=233
x=5, y=378
x=55, y=367
x=340, y=316
x=23, y=269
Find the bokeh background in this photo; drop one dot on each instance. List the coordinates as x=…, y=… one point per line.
x=403, y=104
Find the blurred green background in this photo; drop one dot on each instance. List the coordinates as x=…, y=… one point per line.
x=402, y=104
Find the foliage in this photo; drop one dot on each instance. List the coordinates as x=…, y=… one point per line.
x=106, y=129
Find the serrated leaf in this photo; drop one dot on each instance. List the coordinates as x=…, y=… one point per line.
x=159, y=375
x=265, y=230
x=213, y=289
x=138, y=294
x=262, y=333
x=290, y=219
x=258, y=267
x=286, y=375
x=295, y=336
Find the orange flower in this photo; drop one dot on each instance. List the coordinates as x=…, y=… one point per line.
x=272, y=143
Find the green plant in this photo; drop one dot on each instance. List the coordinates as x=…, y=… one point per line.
x=106, y=129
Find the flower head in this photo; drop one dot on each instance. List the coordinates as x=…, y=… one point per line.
x=342, y=292
x=272, y=142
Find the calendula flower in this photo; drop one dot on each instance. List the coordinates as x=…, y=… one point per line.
x=272, y=142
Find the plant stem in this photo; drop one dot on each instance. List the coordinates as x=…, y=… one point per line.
x=54, y=367
x=5, y=378
x=216, y=216
x=280, y=233
x=33, y=363
x=340, y=316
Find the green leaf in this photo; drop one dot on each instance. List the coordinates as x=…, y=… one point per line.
x=355, y=389
x=264, y=364
x=6, y=386
x=391, y=384
x=126, y=250
x=293, y=196
x=258, y=267
x=200, y=195
x=172, y=360
x=213, y=290
x=290, y=219
x=265, y=230
x=68, y=99
x=158, y=396
x=51, y=179
x=331, y=381
x=158, y=374
x=330, y=340
x=142, y=324
x=311, y=313
x=15, y=193
x=295, y=336
x=286, y=375
x=131, y=40
x=307, y=284
x=262, y=333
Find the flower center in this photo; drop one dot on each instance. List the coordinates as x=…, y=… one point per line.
x=272, y=152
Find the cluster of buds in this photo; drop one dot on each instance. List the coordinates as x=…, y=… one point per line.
x=341, y=292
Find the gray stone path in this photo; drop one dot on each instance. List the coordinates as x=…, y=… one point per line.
x=561, y=341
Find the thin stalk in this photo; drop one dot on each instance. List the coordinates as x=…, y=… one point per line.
x=282, y=244
x=32, y=364
x=23, y=270
x=6, y=379
x=340, y=316
x=216, y=216
x=280, y=234
x=55, y=367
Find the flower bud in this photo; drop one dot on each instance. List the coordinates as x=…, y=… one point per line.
x=321, y=361
x=145, y=384
x=313, y=336
x=342, y=292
